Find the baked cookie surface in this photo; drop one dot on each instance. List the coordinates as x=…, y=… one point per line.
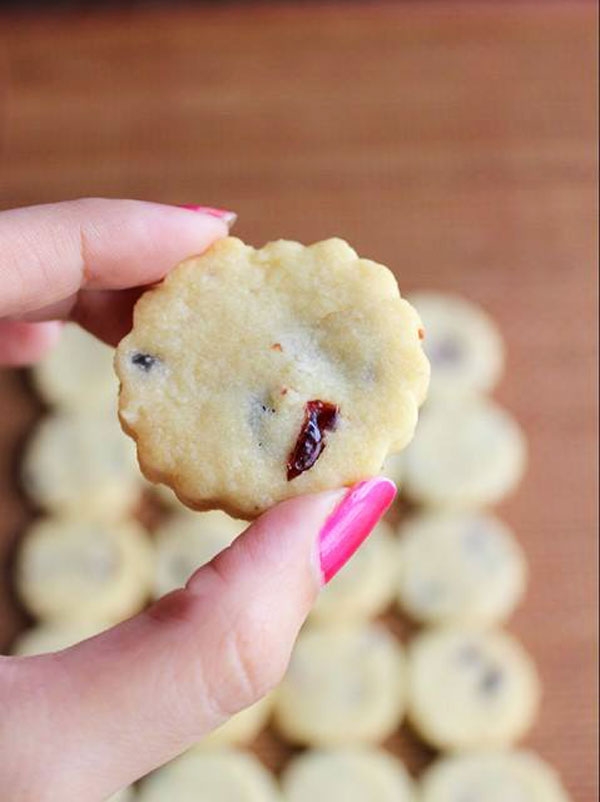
x=471, y=688
x=251, y=376
x=459, y=567
x=222, y=775
x=468, y=453
x=350, y=774
x=344, y=686
x=520, y=775
x=78, y=570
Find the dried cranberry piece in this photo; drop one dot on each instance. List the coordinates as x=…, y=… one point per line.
x=319, y=418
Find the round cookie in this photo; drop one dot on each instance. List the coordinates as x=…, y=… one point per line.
x=218, y=776
x=252, y=376
x=465, y=454
x=187, y=541
x=53, y=637
x=365, y=585
x=243, y=727
x=519, y=776
x=462, y=343
x=459, y=567
x=84, y=570
x=78, y=374
x=344, y=685
x=350, y=774
x=470, y=688
x=80, y=463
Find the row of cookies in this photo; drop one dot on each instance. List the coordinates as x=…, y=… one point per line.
x=356, y=774
x=472, y=686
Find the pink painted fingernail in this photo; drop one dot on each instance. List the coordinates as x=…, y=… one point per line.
x=228, y=218
x=352, y=522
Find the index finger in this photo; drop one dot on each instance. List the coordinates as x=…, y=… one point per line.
x=50, y=252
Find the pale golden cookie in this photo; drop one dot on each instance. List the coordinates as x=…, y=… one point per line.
x=347, y=775
x=471, y=688
x=252, y=376
x=462, y=343
x=82, y=570
x=223, y=775
x=81, y=464
x=505, y=776
x=468, y=453
x=187, y=541
x=344, y=685
x=459, y=567
x=77, y=374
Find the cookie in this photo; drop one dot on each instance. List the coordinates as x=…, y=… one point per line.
x=465, y=454
x=365, y=586
x=81, y=463
x=344, y=685
x=243, y=727
x=252, y=376
x=459, y=567
x=470, y=688
x=187, y=541
x=218, y=776
x=53, y=637
x=84, y=571
x=463, y=344
x=519, y=776
x=347, y=775
x=77, y=374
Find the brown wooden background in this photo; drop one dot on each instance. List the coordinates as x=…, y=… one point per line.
x=454, y=142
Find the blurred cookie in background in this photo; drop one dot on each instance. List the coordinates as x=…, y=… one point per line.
x=470, y=688
x=459, y=567
x=352, y=774
x=463, y=344
x=81, y=463
x=82, y=570
x=503, y=776
x=225, y=775
x=188, y=540
x=78, y=374
x=464, y=454
x=344, y=685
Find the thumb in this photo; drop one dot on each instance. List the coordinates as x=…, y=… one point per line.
x=137, y=695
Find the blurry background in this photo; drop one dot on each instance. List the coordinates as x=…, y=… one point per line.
x=454, y=142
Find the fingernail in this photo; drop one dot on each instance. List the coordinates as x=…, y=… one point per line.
x=228, y=218
x=352, y=522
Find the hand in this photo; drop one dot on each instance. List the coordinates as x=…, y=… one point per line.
x=86, y=721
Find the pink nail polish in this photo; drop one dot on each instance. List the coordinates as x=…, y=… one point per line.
x=352, y=522
x=228, y=217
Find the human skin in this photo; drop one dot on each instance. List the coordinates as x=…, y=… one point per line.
x=82, y=723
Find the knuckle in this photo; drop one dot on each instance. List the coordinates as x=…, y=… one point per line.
x=250, y=657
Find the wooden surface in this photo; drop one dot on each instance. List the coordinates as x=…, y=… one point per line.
x=455, y=143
